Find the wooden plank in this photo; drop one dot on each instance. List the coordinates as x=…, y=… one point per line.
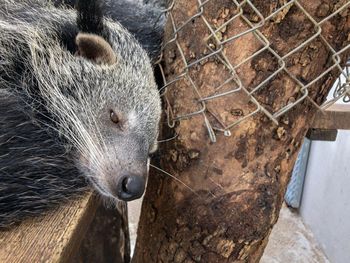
x=322, y=135
x=50, y=238
x=335, y=117
x=107, y=239
x=339, y=107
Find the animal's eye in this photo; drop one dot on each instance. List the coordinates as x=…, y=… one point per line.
x=114, y=117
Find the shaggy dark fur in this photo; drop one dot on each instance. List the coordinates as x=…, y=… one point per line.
x=145, y=20
x=36, y=155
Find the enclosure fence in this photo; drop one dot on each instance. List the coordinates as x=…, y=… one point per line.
x=216, y=42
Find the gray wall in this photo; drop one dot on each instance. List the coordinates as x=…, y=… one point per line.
x=325, y=206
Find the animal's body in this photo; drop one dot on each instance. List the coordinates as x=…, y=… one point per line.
x=75, y=109
x=144, y=19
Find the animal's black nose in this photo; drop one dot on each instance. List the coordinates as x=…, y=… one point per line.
x=130, y=187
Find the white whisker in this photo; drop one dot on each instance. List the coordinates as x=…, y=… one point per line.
x=175, y=178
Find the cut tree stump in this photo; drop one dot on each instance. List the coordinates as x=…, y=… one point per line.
x=231, y=191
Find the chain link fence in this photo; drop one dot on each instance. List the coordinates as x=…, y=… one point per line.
x=254, y=22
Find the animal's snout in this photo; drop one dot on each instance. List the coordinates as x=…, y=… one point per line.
x=130, y=187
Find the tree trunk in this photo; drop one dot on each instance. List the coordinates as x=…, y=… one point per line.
x=236, y=184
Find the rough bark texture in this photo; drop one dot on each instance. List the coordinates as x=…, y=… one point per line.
x=238, y=182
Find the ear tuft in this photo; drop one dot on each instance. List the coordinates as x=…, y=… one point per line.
x=95, y=48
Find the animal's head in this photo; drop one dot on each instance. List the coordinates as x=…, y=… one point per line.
x=125, y=109
x=106, y=103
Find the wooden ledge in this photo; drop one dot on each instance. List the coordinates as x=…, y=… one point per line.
x=51, y=238
x=326, y=124
x=335, y=117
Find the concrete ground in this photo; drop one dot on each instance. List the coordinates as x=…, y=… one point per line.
x=292, y=242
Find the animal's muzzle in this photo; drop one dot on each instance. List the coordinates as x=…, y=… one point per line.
x=130, y=187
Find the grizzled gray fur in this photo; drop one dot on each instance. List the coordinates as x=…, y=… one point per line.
x=75, y=108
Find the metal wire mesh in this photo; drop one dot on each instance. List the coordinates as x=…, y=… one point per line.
x=215, y=43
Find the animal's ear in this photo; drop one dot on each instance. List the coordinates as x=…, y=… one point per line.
x=95, y=48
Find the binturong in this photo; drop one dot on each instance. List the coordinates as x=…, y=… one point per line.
x=79, y=106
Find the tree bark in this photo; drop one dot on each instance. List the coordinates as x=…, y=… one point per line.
x=238, y=183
